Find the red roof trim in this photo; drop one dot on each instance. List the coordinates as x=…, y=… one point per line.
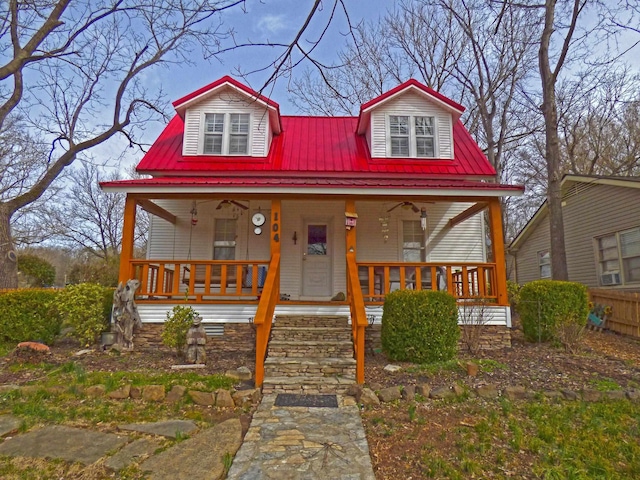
x=412, y=83
x=218, y=83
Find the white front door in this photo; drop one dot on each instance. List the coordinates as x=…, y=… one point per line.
x=316, y=260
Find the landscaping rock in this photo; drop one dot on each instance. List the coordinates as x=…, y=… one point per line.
x=224, y=399
x=34, y=347
x=552, y=394
x=633, y=395
x=30, y=389
x=56, y=389
x=121, y=393
x=168, y=428
x=202, y=398
x=354, y=390
x=247, y=398
x=153, y=393
x=392, y=368
x=95, y=391
x=66, y=443
x=9, y=424
x=458, y=390
x=472, y=369
x=487, y=391
x=176, y=393
x=439, y=393
x=200, y=457
x=423, y=389
x=133, y=452
x=79, y=353
x=569, y=395
x=390, y=394
x=369, y=398
x=515, y=393
x=615, y=395
x=135, y=393
x=409, y=393
x=591, y=395
x=241, y=373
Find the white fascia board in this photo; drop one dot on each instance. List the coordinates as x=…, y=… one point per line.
x=293, y=191
x=194, y=100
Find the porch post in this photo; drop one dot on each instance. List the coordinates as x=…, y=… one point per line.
x=497, y=244
x=128, y=228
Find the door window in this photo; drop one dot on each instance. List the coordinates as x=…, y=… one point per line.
x=317, y=240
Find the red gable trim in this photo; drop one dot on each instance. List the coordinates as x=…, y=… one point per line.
x=409, y=84
x=220, y=82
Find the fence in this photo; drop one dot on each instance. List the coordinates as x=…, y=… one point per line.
x=625, y=310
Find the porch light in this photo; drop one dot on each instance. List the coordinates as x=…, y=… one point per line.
x=194, y=214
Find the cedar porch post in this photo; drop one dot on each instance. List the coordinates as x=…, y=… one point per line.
x=128, y=229
x=497, y=244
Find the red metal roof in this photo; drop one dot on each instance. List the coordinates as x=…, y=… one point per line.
x=314, y=146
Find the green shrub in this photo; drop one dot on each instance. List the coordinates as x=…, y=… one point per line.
x=546, y=303
x=513, y=293
x=420, y=326
x=86, y=308
x=176, y=326
x=36, y=271
x=29, y=315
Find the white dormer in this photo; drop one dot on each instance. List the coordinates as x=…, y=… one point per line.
x=227, y=118
x=410, y=121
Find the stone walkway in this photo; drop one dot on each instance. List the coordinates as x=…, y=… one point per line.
x=306, y=443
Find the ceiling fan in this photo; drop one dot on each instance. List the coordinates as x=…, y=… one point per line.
x=405, y=205
x=228, y=203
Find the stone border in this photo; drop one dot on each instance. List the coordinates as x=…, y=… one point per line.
x=367, y=397
x=221, y=398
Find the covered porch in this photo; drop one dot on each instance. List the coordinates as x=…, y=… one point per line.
x=311, y=248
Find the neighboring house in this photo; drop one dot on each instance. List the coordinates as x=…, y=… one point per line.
x=601, y=229
x=254, y=213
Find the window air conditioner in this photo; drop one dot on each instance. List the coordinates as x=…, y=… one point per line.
x=612, y=278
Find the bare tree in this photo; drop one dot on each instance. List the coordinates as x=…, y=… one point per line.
x=75, y=71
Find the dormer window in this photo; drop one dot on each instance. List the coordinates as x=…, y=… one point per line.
x=226, y=134
x=412, y=136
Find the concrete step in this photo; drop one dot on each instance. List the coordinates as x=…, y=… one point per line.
x=307, y=384
x=310, y=321
x=311, y=333
x=304, y=349
x=296, y=367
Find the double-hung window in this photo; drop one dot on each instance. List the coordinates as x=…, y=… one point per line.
x=619, y=257
x=224, y=240
x=412, y=241
x=544, y=263
x=226, y=134
x=412, y=136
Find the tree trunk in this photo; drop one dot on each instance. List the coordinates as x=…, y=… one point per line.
x=8, y=264
x=552, y=151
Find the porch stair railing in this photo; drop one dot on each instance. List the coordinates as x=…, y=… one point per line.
x=358, y=315
x=264, y=315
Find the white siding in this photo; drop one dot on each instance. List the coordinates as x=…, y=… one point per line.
x=462, y=243
x=410, y=104
x=238, y=313
x=227, y=102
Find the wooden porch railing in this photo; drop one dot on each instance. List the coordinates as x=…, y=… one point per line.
x=625, y=310
x=465, y=281
x=358, y=314
x=264, y=315
x=199, y=279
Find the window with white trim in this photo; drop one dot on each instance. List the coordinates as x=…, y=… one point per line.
x=544, y=263
x=412, y=240
x=412, y=136
x=619, y=257
x=226, y=134
x=224, y=239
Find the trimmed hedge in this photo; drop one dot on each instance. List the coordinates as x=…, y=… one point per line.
x=86, y=308
x=29, y=315
x=544, y=303
x=420, y=326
